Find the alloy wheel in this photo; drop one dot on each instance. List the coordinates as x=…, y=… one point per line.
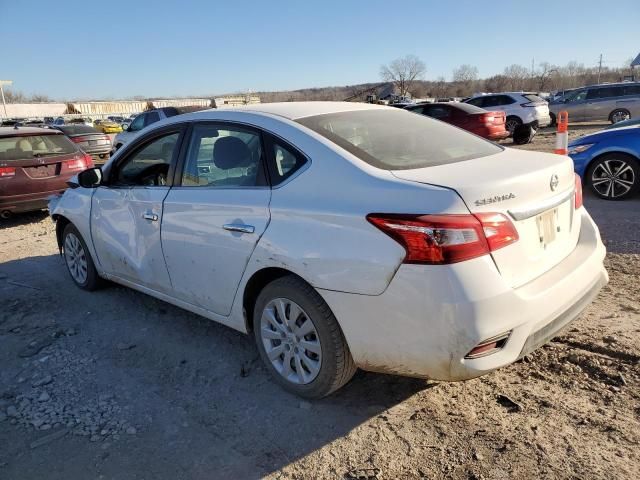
x=291, y=341
x=76, y=258
x=613, y=178
x=620, y=116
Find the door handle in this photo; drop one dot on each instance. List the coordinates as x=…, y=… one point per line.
x=150, y=216
x=239, y=227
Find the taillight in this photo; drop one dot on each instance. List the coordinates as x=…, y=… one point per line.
x=80, y=163
x=7, y=172
x=78, y=139
x=444, y=239
x=578, y=192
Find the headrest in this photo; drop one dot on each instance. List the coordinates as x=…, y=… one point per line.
x=231, y=152
x=24, y=145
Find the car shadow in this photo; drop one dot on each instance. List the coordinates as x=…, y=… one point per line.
x=201, y=400
x=25, y=218
x=618, y=221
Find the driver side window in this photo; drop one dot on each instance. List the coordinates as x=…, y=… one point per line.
x=149, y=166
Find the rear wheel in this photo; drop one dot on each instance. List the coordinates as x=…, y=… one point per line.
x=299, y=339
x=553, y=119
x=512, y=123
x=619, y=115
x=614, y=176
x=78, y=259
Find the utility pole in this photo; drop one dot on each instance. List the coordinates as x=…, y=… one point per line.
x=4, y=103
x=599, y=67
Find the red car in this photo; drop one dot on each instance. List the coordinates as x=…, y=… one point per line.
x=34, y=164
x=490, y=125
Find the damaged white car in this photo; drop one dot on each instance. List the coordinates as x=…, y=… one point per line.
x=342, y=235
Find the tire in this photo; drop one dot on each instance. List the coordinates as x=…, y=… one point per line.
x=553, y=119
x=313, y=372
x=511, y=123
x=76, y=254
x=614, y=176
x=619, y=115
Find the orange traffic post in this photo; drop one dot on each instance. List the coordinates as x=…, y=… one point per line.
x=562, y=133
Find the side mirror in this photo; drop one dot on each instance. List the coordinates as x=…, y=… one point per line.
x=90, y=178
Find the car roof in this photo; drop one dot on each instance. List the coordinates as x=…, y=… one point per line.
x=25, y=131
x=296, y=110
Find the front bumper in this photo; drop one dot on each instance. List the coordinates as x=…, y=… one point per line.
x=430, y=317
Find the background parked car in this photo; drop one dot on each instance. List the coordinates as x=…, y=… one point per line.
x=80, y=121
x=107, y=126
x=145, y=119
x=521, y=108
x=612, y=102
x=34, y=164
x=609, y=161
x=90, y=140
x=490, y=125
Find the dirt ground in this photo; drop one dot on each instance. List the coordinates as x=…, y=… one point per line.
x=117, y=385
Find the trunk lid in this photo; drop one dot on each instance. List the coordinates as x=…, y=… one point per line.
x=534, y=190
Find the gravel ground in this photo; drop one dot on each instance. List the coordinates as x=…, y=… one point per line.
x=117, y=385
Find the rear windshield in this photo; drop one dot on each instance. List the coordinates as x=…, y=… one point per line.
x=77, y=129
x=533, y=98
x=467, y=107
x=24, y=147
x=399, y=140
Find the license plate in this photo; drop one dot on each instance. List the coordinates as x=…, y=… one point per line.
x=547, y=226
x=97, y=142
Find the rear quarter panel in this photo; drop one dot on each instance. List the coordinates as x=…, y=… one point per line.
x=318, y=226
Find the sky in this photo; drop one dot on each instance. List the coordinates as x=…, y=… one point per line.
x=114, y=49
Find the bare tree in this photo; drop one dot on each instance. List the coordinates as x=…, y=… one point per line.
x=544, y=73
x=403, y=72
x=465, y=73
x=465, y=76
x=516, y=75
x=497, y=83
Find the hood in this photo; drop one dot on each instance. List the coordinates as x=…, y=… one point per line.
x=606, y=134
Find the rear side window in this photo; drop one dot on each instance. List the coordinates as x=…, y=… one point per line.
x=632, y=90
x=284, y=163
x=604, y=92
x=477, y=102
x=396, y=140
x=505, y=100
x=20, y=148
x=152, y=117
x=438, y=111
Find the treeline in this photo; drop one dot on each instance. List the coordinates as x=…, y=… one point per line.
x=545, y=78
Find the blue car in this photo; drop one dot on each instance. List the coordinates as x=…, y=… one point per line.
x=609, y=161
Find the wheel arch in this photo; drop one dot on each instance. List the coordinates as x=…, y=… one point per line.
x=61, y=224
x=592, y=160
x=256, y=283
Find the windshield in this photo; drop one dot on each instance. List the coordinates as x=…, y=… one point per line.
x=399, y=140
x=25, y=147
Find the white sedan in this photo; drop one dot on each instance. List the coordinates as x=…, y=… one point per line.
x=343, y=236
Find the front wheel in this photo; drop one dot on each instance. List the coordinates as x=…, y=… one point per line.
x=299, y=339
x=78, y=259
x=615, y=176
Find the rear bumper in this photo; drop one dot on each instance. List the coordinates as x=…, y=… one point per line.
x=28, y=202
x=501, y=135
x=430, y=317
